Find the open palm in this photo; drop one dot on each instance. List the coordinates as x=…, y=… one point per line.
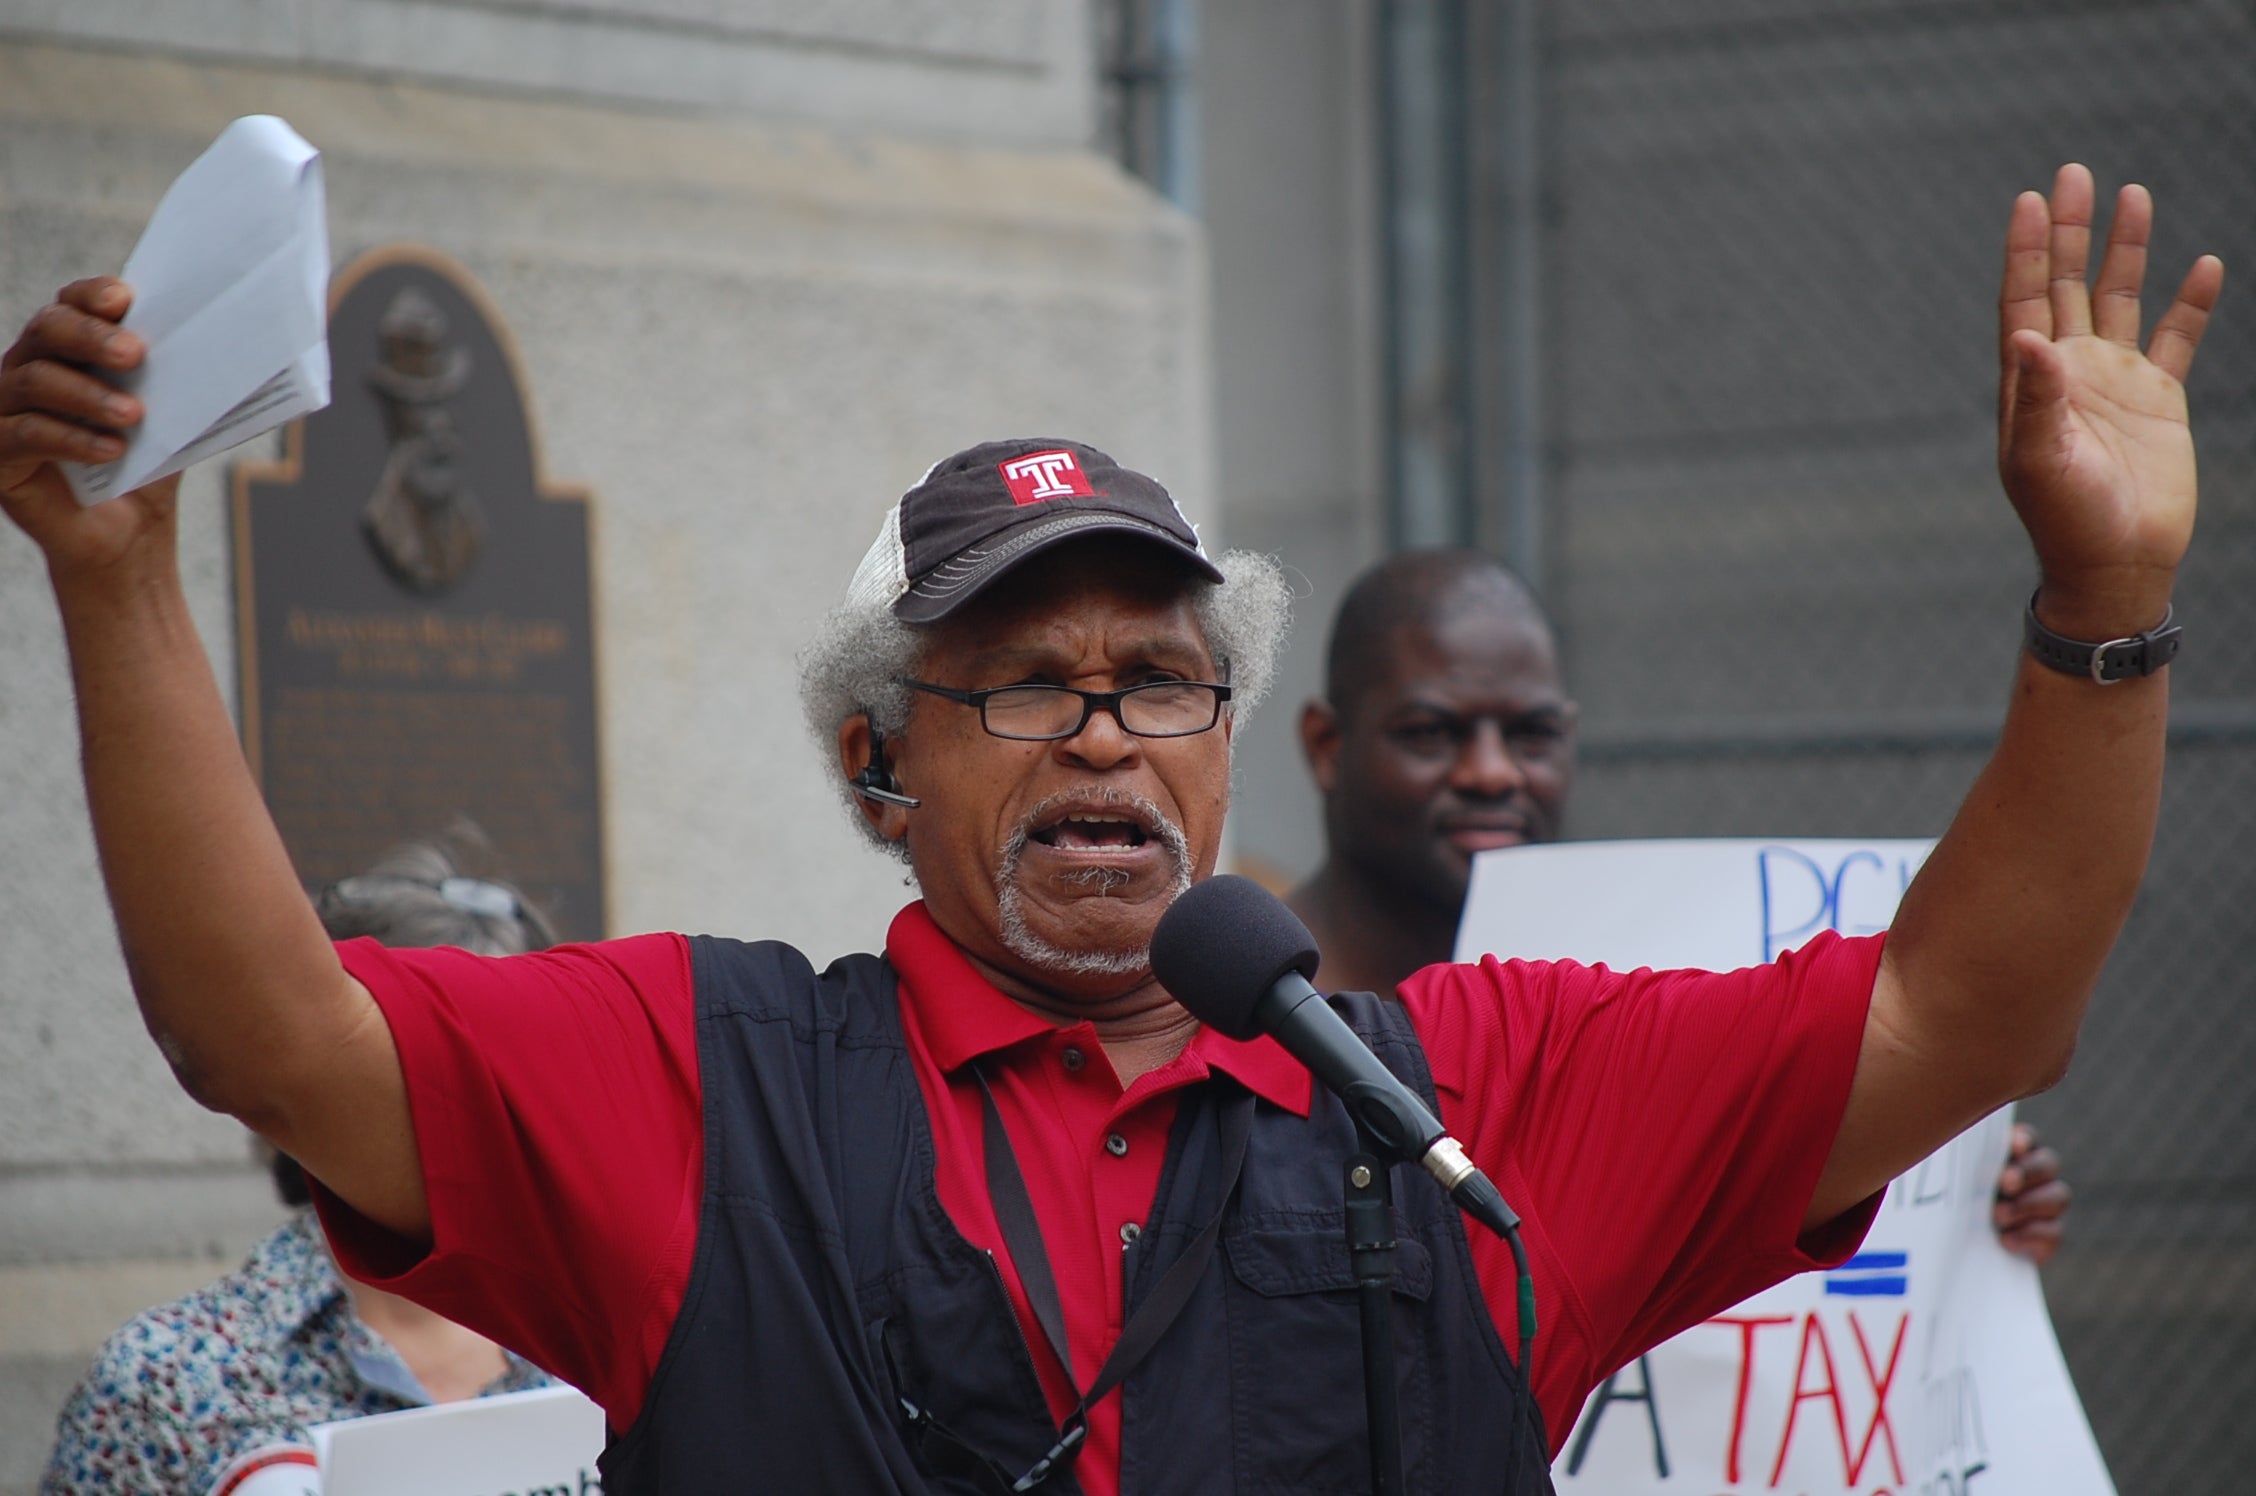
x=2093, y=439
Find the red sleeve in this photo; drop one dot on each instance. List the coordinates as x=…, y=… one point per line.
x=555, y=1100
x=1661, y=1134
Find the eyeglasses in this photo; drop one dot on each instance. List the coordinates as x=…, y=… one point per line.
x=1038, y=714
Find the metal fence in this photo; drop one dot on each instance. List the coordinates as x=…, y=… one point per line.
x=1789, y=587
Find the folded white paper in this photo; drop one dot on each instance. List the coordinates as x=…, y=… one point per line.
x=230, y=290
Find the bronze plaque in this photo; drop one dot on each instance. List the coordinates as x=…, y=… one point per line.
x=414, y=606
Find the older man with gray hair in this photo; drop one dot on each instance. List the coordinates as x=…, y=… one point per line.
x=992, y=1211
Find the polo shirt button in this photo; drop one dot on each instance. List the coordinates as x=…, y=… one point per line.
x=1116, y=1145
x=1129, y=1232
x=1073, y=1058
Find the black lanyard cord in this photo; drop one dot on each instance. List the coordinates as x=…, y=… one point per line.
x=1022, y=1236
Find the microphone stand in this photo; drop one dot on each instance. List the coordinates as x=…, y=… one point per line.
x=1387, y=1133
x=1370, y=1248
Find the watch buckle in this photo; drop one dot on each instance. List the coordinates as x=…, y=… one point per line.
x=2099, y=658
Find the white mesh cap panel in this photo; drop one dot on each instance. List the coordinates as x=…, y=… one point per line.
x=884, y=573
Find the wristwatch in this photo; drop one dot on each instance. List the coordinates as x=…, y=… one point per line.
x=2107, y=663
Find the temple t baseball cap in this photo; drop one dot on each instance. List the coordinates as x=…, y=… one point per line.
x=976, y=515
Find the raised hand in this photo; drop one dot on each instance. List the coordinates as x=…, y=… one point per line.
x=1999, y=941
x=53, y=410
x=2093, y=441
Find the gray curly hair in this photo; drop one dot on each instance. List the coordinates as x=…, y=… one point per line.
x=429, y=892
x=854, y=665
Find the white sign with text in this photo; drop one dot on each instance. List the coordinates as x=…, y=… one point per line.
x=541, y=1443
x=1926, y=1363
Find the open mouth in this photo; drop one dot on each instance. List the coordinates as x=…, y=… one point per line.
x=1093, y=831
x=1098, y=828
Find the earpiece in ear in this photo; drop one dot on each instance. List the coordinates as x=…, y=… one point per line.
x=875, y=782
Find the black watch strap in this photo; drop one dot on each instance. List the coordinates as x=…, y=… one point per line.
x=2106, y=663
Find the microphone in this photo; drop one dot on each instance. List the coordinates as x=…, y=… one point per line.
x=1239, y=960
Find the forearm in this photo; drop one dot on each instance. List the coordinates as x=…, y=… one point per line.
x=2001, y=938
x=234, y=976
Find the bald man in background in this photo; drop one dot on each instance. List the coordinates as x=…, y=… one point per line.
x=1445, y=731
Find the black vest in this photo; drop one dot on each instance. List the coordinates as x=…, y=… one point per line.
x=829, y=1285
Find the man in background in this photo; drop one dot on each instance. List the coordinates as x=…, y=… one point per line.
x=1445, y=731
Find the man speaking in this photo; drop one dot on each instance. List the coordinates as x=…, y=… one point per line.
x=992, y=1211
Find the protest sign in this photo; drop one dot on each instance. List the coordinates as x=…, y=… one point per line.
x=517, y=1444
x=1925, y=1364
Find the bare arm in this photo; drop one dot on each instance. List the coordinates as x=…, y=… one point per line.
x=2000, y=939
x=236, y=980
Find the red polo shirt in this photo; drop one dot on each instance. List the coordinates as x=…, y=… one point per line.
x=1090, y=1151
x=1661, y=1133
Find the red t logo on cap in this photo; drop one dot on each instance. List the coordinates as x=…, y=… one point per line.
x=1045, y=475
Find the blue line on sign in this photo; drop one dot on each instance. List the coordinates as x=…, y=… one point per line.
x=1870, y=1275
x=1867, y=1288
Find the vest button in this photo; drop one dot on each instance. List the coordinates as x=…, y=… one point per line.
x=1129, y=1232
x=1116, y=1145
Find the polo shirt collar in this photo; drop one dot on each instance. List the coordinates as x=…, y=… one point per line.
x=963, y=1016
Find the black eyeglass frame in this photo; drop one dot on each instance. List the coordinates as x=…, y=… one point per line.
x=1092, y=702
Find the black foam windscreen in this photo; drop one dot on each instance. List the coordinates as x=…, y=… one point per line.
x=1222, y=946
